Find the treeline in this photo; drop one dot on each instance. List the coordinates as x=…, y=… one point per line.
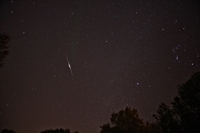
x=58, y=131
x=183, y=116
x=4, y=39
x=46, y=131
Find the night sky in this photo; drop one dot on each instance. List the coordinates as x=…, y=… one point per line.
x=73, y=63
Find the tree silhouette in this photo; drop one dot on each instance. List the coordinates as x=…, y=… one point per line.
x=7, y=131
x=167, y=122
x=150, y=127
x=58, y=131
x=4, y=39
x=184, y=115
x=126, y=121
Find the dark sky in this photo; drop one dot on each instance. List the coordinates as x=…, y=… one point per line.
x=122, y=53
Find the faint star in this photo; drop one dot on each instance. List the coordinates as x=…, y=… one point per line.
x=176, y=57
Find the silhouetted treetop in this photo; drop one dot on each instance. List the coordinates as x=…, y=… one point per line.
x=57, y=131
x=126, y=121
x=184, y=115
x=4, y=39
x=7, y=131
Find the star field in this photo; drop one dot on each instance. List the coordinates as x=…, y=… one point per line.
x=73, y=63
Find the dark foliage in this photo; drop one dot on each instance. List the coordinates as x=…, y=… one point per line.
x=127, y=121
x=7, y=131
x=57, y=131
x=184, y=115
x=4, y=39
